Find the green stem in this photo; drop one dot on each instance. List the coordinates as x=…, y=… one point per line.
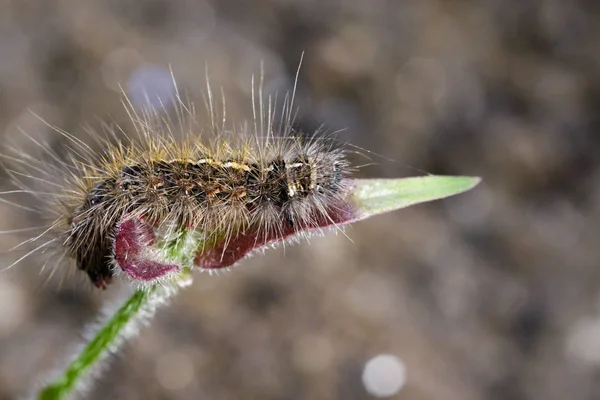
x=120, y=326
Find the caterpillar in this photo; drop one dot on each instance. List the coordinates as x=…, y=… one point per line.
x=237, y=191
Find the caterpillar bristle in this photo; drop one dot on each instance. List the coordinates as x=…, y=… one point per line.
x=262, y=178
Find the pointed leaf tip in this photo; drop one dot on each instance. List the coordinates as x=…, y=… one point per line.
x=377, y=196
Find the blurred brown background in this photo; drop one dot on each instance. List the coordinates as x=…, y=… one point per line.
x=493, y=294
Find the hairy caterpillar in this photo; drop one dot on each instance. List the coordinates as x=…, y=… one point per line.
x=233, y=192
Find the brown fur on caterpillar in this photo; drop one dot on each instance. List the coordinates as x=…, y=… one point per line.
x=292, y=183
x=112, y=206
x=156, y=208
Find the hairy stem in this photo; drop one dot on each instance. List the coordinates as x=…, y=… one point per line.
x=121, y=326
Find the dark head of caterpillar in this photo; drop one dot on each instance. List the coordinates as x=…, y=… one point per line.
x=89, y=246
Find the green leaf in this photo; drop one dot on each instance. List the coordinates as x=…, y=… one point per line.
x=377, y=196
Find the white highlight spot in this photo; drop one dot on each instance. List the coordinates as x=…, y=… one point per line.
x=384, y=375
x=151, y=86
